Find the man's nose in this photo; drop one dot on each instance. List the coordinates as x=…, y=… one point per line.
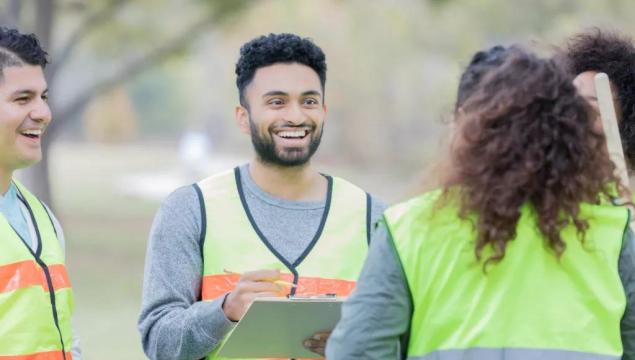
x=295, y=115
x=41, y=112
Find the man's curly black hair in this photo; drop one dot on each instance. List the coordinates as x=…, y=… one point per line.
x=17, y=49
x=613, y=54
x=277, y=48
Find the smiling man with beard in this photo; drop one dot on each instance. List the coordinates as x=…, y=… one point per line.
x=275, y=218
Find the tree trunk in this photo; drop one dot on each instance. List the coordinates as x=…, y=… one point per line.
x=14, y=9
x=36, y=177
x=44, y=14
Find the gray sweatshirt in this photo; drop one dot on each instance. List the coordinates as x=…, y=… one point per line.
x=376, y=317
x=174, y=323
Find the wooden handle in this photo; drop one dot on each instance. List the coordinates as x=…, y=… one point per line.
x=611, y=129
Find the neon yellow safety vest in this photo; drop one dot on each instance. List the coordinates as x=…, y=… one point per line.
x=528, y=306
x=35, y=322
x=330, y=264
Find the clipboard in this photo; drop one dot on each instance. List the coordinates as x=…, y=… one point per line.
x=277, y=327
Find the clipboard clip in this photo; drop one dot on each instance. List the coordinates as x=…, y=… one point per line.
x=316, y=297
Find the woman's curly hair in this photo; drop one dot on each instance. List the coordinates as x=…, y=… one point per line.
x=613, y=54
x=524, y=136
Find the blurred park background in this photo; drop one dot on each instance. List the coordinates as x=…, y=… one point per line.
x=142, y=93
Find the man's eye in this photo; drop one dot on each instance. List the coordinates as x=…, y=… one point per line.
x=45, y=98
x=22, y=100
x=311, y=102
x=276, y=102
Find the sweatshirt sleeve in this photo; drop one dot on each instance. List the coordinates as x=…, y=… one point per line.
x=174, y=323
x=627, y=275
x=376, y=317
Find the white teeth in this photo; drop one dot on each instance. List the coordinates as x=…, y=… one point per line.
x=32, y=132
x=292, y=134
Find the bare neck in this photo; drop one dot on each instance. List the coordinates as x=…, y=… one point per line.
x=300, y=183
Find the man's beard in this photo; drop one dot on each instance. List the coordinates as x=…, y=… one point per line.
x=267, y=152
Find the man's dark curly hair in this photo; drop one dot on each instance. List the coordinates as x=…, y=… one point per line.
x=481, y=63
x=525, y=137
x=613, y=54
x=277, y=48
x=17, y=49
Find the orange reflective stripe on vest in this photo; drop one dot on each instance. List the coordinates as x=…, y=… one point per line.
x=47, y=355
x=217, y=285
x=28, y=273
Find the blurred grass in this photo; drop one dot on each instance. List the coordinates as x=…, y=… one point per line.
x=106, y=234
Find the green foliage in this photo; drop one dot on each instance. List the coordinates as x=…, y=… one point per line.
x=160, y=101
x=225, y=9
x=394, y=66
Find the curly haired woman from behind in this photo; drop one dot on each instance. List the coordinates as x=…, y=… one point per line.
x=520, y=254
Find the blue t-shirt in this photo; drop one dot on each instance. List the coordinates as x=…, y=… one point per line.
x=11, y=210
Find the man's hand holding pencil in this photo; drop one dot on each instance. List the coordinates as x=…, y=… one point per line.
x=252, y=285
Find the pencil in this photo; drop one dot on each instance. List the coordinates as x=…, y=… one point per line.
x=278, y=282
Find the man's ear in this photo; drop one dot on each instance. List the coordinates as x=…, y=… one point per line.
x=242, y=119
x=325, y=112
